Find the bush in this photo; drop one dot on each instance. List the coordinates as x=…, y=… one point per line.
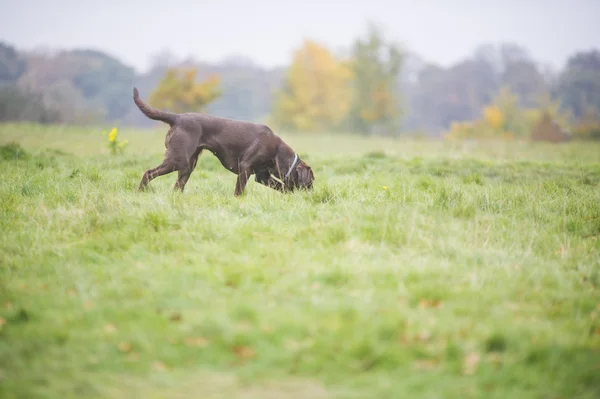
x=547, y=129
x=588, y=128
x=17, y=105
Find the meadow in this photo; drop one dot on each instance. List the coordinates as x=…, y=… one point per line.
x=414, y=269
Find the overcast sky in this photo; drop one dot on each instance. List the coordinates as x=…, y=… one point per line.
x=267, y=31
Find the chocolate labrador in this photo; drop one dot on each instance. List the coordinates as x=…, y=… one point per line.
x=243, y=148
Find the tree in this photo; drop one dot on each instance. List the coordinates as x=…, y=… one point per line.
x=102, y=79
x=579, y=84
x=525, y=80
x=546, y=105
x=588, y=126
x=179, y=92
x=83, y=85
x=376, y=102
x=506, y=116
x=316, y=92
x=513, y=117
x=20, y=105
x=12, y=65
x=502, y=119
x=515, y=69
x=454, y=94
x=248, y=89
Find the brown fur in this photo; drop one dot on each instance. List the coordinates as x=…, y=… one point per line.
x=243, y=148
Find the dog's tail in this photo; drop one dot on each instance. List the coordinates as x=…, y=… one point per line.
x=153, y=113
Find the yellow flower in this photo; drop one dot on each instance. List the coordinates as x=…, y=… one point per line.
x=385, y=187
x=113, y=135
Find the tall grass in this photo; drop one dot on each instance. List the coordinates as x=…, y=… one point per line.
x=414, y=269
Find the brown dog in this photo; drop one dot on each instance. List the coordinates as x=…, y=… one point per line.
x=243, y=148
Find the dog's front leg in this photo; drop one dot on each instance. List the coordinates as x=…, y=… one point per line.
x=242, y=180
x=275, y=184
x=266, y=179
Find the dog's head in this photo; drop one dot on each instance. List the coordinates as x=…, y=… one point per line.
x=301, y=178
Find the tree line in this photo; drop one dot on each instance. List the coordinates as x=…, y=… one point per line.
x=373, y=87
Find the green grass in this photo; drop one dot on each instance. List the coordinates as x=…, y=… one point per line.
x=474, y=274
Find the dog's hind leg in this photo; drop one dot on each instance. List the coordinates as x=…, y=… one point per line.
x=182, y=178
x=184, y=174
x=164, y=168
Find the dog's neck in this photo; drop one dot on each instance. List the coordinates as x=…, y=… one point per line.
x=285, y=161
x=292, y=166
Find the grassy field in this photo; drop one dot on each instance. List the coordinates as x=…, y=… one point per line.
x=414, y=269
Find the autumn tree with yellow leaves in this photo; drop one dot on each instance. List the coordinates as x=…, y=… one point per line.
x=316, y=94
x=179, y=92
x=376, y=102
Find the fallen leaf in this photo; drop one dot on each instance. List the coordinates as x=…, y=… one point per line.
x=159, y=366
x=424, y=336
x=464, y=333
x=2, y=321
x=495, y=357
x=267, y=329
x=176, y=317
x=71, y=292
x=110, y=328
x=404, y=339
x=430, y=303
x=425, y=364
x=470, y=363
x=562, y=251
x=534, y=340
x=125, y=347
x=198, y=342
x=244, y=352
x=292, y=345
x=243, y=326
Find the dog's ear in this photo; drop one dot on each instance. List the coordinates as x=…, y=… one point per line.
x=301, y=171
x=305, y=174
x=302, y=175
x=309, y=172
